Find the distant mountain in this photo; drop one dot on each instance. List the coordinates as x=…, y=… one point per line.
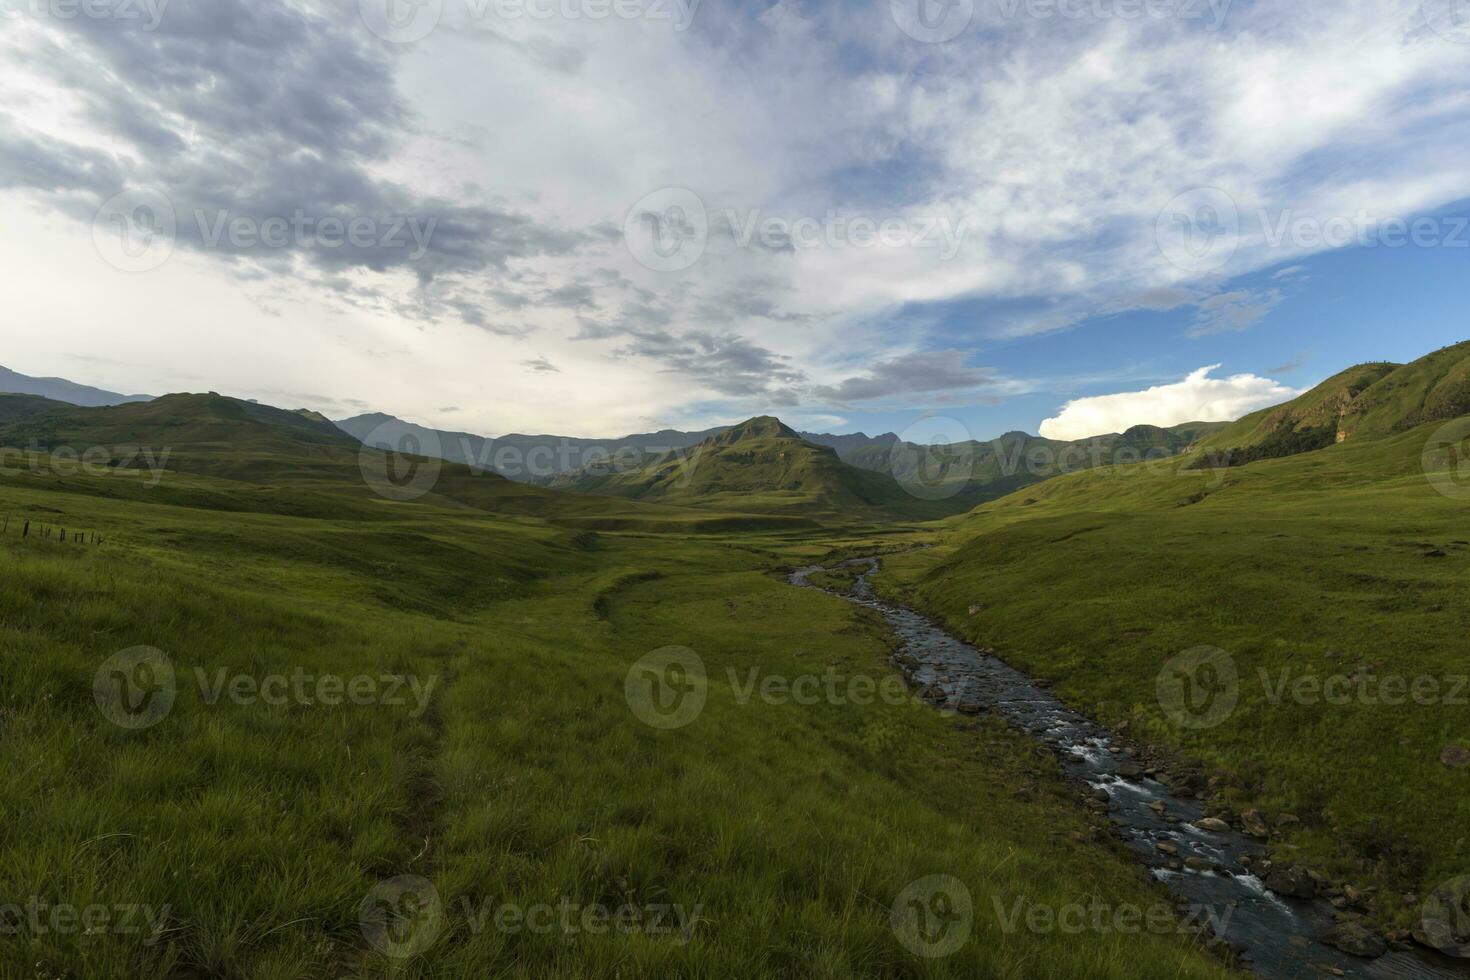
x=540, y=459
x=974, y=472
x=1364, y=402
x=62, y=390
x=761, y=464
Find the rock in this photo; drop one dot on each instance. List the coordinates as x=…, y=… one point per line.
x=1356, y=940
x=1167, y=848
x=1293, y=882
x=1157, y=806
x=1213, y=825
x=1252, y=823
x=1129, y=770
x=1436, y=553
x=1196, y=863
x=976, y=609
x=1455, y=756
x=970, y=707
x=1101, y=795
x=1287, y=820
x=933, y=693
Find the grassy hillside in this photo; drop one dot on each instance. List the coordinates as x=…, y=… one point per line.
x=760, y=466
x=1343, y=566
x=255, y=832
x=1366, y=401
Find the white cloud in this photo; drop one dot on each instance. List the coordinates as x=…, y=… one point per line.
x=1198, y=398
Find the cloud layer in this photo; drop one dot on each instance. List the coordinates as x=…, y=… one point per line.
x=1025, y=164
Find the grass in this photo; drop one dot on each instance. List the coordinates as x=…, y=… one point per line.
x=252, y=833
x=1344, y=562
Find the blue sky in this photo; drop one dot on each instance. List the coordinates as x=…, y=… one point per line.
x=1343, y=307
x=1011, y=214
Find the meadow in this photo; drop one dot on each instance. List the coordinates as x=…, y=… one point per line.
x=402, y=743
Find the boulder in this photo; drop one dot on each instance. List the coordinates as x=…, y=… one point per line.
x=1213, y=825
x=1455, y=756
x=1291, y=881
x=1355, y=939
x=1253, y=824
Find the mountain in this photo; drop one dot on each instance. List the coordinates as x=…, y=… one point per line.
x=524, y=458
x=59, y=389
x=1364, y=402
x=761, y=465
x=974, y=472
x=541, y=459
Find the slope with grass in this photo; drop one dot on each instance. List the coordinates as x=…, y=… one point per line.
x=253, y=830
x=1365, y=401
x=1335, y=580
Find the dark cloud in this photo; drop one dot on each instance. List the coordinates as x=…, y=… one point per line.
x=926, y=372
x=541, y=365
x=272, y=117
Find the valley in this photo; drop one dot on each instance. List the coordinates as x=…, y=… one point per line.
x=602, y=702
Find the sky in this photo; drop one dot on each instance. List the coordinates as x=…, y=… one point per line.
x=597, y=217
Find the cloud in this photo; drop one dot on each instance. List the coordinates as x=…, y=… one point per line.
x=542, y=365
x=1198, y=398
x=1234, y=311
x=913, y=375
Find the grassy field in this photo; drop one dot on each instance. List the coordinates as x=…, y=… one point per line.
x=1334, y=582
x=402, y=741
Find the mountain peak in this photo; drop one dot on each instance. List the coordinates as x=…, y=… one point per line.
x=760, y=427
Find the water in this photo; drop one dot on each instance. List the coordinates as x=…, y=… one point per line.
x=1277, y=936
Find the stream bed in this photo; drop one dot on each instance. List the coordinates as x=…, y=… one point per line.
x=1277, y=937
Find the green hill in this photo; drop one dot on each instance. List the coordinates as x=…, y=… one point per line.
x=1366, y=401
x=761, y=465
x=13, y=406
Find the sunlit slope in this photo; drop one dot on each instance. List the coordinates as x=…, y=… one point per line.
x=1364, y=402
